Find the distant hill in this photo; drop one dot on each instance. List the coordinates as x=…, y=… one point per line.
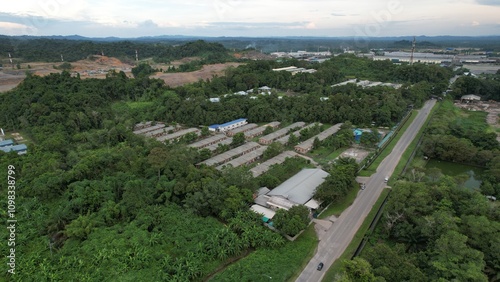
x=162, y=48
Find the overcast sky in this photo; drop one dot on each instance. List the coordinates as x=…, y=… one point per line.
x=123, y=18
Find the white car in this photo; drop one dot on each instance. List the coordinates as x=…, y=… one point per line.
x=386, y=179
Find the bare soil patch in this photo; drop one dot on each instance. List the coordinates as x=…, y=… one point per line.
x=356, y=153
x=99, y=66
x=181, y=78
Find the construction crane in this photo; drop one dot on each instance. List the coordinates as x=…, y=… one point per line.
x=412, y=50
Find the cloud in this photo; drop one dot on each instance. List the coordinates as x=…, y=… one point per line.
x=489, y=2
x=11, y=28
x=338, y=14
x=258, y=25
x=147, y=24
x=475, y=23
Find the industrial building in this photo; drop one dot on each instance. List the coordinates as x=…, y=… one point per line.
x=245, y=159
x=297, y=190
x=228, y=125
x=307, y=145
x=243, y=128
x=268, y=139
x=264, y=167
x=178, y=134
x=208, y=141
x=231, y=154
x=432, y=58
x=259, y=130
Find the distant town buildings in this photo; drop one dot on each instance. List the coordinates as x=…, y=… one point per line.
x=294, y=70
x=432, y=58
x=367, y=83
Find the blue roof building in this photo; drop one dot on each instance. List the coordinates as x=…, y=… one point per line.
x=20, y=149
x=8, y=142
x=228, y=125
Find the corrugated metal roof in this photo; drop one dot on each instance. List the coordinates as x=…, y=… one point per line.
x=7, y=142
x=300, y=188
x=264, y=211
x=232, y=122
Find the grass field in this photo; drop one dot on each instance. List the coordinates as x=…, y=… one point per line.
x=325, y=155
x=358, y=237
x=337, y=208
x=282, y=264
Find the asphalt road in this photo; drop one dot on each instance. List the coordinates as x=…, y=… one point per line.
x=338, y=237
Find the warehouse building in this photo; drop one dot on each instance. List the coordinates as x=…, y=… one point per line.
x=307, y=145
x=228, y=125
x=246, y=158
x=259, y=130
x=268, y=139
x=297, y=190
x=231, y=154
x=243, y=128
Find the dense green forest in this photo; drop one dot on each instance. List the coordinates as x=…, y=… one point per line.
x=488, y=88
x=432, y=227
x=462, y=136
x=96, y=202
x=337, y=45
x=50, y=50
x=432, y=230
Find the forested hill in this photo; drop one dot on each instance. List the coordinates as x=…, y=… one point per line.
x=50, y=50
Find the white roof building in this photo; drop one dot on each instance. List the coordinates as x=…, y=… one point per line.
x=300, y=188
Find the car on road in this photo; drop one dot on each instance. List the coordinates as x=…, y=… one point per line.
x=320, y=266
x=363, y=186
x=386, y=179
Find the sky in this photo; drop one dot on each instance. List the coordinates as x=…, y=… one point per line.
x=252, y=18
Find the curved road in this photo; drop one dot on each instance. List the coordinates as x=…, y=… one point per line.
x=338, y=237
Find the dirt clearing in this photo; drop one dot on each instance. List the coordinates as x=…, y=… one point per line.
x=99, y=66
x=181, y=78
